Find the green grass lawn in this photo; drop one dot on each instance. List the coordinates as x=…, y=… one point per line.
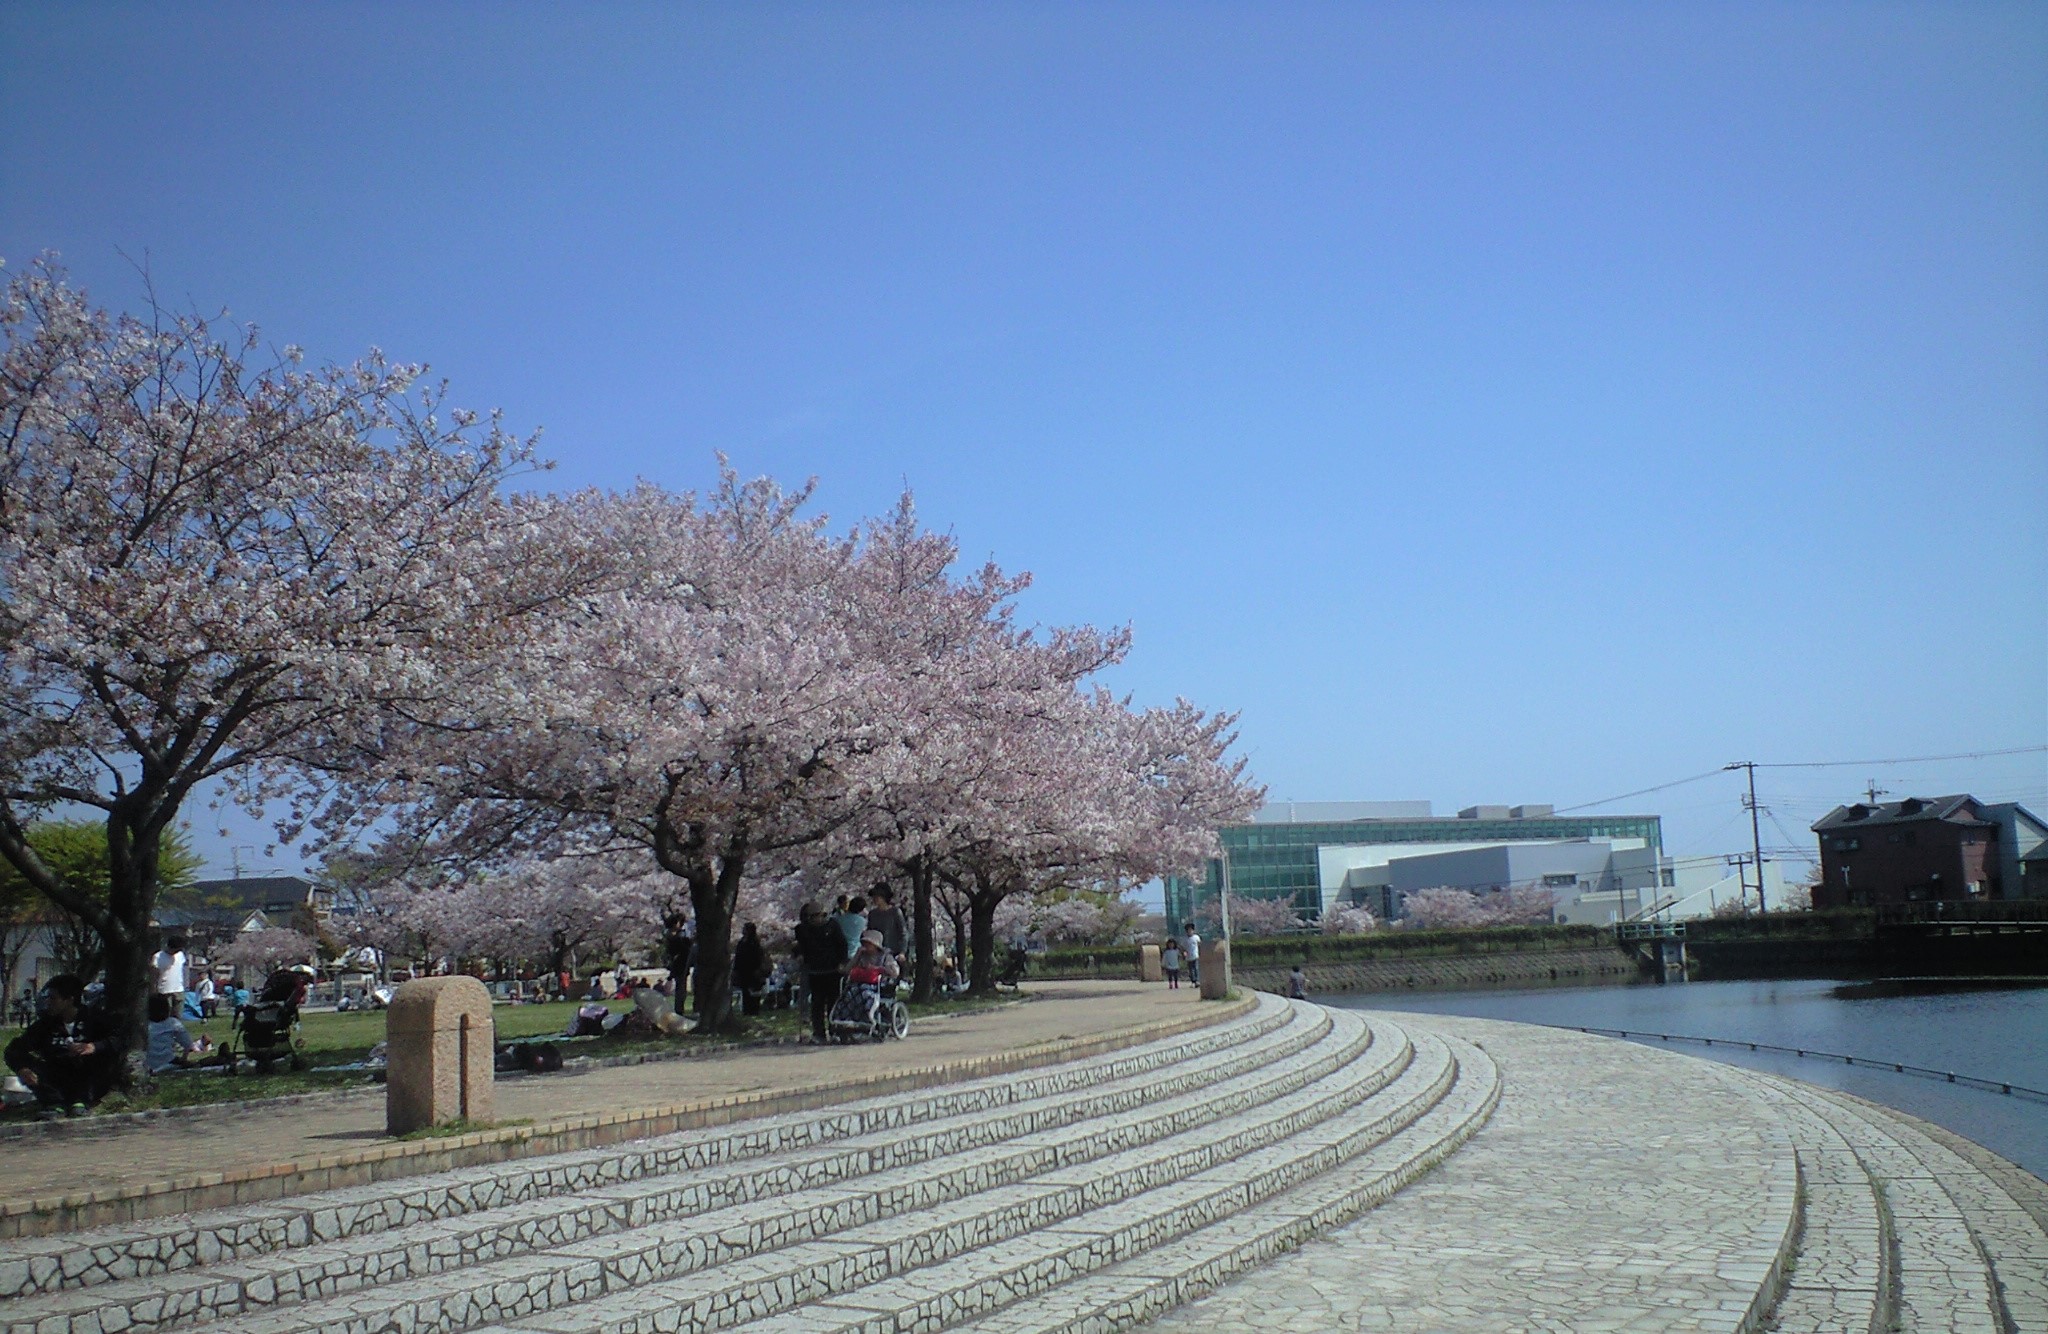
x=340, y=1039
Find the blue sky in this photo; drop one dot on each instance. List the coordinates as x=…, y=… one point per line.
x=1495, y=403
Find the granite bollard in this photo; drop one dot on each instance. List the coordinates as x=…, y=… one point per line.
x=439, y=1054
x=1215, y=969
x=1148, y=964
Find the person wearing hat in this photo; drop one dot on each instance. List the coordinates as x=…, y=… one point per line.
x=872, y=961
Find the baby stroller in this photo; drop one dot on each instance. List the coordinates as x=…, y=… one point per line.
x=268, y=1026
x=867, y=1009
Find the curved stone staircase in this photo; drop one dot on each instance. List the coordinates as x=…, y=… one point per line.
x=1899, y=1231
x=1096, y=1192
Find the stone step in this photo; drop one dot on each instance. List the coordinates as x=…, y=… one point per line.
x=2014, y=1238
x=787, y=1235
x=877, y=1280
x=1840, y=1275
x=1229, y=1079
x=1968, y=1258
x=1126, y=1265
x=106, y=1255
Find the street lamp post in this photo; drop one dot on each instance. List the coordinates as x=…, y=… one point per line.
x=1223, y=896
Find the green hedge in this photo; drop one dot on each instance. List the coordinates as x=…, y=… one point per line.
x=1828, y=924
x=1115, y=960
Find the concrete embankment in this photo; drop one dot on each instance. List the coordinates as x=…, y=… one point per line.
x=1532, y=968
x=1906, y=956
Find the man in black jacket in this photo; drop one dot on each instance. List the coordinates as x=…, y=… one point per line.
x=750, y=968
x=823, y=947
x=69, y=1057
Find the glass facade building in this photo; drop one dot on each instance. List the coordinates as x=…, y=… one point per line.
x=1281, y=859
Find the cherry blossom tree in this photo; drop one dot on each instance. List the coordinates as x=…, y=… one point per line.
x=216, y=566
x=1350, y=920
x=1443, y=907
x=1098, y=794
x=1263, y=917
x=717, y=711
x=263, y=952
x=1515, y=905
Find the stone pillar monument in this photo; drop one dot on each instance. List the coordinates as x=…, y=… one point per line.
x=1148, y=964
x=439, y=1054
x=1215, y=968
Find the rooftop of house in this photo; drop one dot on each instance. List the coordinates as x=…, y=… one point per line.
x=268, y=892
x=1960, y=808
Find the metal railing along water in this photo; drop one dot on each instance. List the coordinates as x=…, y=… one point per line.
x=1865, y=1062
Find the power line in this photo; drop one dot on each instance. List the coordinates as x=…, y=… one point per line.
x=1640, y=792
x=1804, y=764
x=1908, y=759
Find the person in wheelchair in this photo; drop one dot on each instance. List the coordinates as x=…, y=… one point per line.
x=870, y=981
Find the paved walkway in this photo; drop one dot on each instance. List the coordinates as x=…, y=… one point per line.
x=126, y=1155
x=1615, y=1189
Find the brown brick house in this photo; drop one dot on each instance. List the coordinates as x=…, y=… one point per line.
x=1925, y=848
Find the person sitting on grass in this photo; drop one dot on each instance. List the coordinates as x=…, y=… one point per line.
x=171, y=1047
x=70, y=1057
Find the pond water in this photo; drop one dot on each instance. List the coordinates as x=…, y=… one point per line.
x=1996, y=1034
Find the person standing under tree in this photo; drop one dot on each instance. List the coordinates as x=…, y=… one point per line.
x=169, y=964
x=823, y=947
x=884, y=916
x=1169, y=962
x=854, y=922
x=750, y=968
x=1191, y=946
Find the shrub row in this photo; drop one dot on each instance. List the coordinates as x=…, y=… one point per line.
x=1082, y=960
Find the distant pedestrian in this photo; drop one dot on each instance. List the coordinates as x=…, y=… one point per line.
x=884, y=916
x=1191, y=946
x=208, y=995
x=169, y=964
x=1169, y=960
x=823, y=948
x=854, y=922
x=750, y=968
x=1297, y=984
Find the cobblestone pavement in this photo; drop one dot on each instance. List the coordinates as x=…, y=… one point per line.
x=158, y=1150
x=1615, y=1189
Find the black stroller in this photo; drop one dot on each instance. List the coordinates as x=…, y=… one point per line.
x=268, y=1026
x=869, y=1012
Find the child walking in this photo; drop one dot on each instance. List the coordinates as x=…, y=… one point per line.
x=1169, y=959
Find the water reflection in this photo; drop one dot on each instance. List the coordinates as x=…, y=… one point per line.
x=1995, y=1032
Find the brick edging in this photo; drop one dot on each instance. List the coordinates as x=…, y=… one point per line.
x=264, y=1182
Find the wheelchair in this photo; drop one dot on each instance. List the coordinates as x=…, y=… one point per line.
x=869, y=1012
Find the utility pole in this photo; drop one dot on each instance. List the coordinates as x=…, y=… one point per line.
x=1756, y=836
x=1873, y=791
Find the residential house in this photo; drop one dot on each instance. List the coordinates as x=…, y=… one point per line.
x=1928, y=848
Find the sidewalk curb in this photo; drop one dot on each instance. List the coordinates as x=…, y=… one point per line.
x=114, y=1124
x=264, y=1182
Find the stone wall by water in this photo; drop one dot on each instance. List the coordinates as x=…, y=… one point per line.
x=1580, y=968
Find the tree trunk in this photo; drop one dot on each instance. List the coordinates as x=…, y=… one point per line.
x=133, y=849
x=921, y=913
x=130, y=979
x=981, y=908
x=715, y=899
